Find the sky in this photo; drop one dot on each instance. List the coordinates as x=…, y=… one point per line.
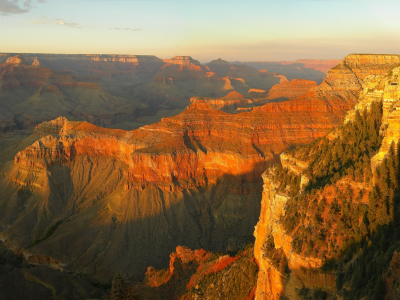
x=234, y=30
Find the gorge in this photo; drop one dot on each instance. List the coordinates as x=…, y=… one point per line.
x=119, y=200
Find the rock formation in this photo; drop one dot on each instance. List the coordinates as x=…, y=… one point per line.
x=194, y=274
x=290, y=89
x=123, y=200
x=108, y=90
x=39, y=94
x=193, y=178
x=373, y=78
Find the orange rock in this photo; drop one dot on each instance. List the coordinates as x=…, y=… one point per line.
x=290, y=89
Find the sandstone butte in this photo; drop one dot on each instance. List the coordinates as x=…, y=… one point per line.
x=378, y=84
x=193, y=179
x=288, y=89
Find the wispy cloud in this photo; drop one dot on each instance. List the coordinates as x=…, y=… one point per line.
x=68, y=24
x=128, y=29
x=42, y=20
x=10, y=7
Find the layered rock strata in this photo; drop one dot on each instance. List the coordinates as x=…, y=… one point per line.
x=290, y=89
x=385, y=88
x=203, y=165
x=123, y=200
x=370, y=78
x=304, y=271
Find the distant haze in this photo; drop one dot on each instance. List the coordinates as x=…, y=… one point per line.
x=252, y=30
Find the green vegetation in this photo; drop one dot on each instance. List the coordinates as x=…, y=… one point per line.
x=347, y=154
x=322, y=225
x=276, y=256
x=348, y=214
x=48, y=234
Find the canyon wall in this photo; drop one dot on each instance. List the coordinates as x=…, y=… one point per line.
x=123, y=200
x=365, y=77
x=195, y=179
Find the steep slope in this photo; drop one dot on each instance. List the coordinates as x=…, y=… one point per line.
x=123, y=200
x=330, y=210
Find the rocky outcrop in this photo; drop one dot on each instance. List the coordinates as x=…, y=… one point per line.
x=193, y=274
x=357, y=76
x=182, y=60
x=229, y=103
x=304, y=271
x=385, y=88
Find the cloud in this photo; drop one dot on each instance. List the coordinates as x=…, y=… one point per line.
x=8, y=7
x=68, y=24
x=43, y=20
x=128, y=29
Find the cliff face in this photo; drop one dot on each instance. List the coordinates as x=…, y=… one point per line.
x=361, y=75
x=383, y=88
x=272, y=283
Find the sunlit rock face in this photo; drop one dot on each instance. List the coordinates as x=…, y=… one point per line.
x=359, y=79
x=193, y=179
x=290, y=89
x=272, y=282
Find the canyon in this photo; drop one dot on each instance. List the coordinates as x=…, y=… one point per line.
x=116, y=91
x=99, y=201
